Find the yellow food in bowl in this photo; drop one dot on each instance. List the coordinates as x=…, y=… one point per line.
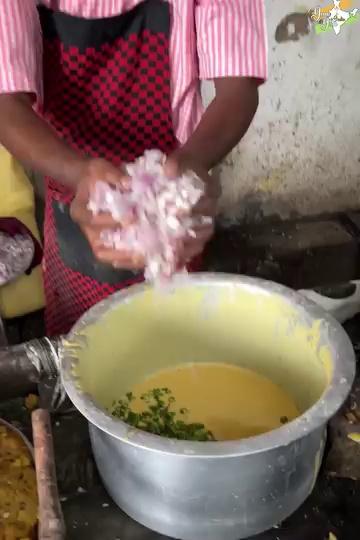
x=18, y=492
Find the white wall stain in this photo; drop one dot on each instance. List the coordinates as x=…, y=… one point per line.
x=302, y=153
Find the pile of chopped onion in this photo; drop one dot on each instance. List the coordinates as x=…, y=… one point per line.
x=160, y=209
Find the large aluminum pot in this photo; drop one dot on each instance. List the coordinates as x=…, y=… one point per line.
x=216, y=490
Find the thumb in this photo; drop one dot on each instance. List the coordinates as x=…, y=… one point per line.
x=101, y=169
x=116, y=177
x=172, y=168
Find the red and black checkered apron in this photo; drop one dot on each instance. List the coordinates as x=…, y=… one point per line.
x=107, y=93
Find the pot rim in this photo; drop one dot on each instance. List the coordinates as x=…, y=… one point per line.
x=315, y=417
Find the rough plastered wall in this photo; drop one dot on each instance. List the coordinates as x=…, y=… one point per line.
x=302, y=154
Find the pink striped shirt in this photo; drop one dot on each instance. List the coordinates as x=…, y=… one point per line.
x=209, y=39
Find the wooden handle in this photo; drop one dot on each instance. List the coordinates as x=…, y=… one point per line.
x=51, y=521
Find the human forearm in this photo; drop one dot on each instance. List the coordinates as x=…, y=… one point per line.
x=224, y=123
x=32, y=141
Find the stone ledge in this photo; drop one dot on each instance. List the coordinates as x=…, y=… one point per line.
x=300, y=254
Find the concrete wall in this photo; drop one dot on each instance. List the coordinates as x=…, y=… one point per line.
x=302, y=154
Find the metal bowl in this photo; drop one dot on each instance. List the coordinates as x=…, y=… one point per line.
x=216, y=490
x=20, y=434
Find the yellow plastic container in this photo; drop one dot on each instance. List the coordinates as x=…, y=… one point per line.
x=25, y=294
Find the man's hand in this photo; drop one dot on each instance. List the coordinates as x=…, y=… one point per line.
x=32, y=141
x=91, y=225
x=177, y=164
x=222, y=126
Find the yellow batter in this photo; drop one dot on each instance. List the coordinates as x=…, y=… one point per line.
x=232, y=402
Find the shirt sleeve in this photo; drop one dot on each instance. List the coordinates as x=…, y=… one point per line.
x=20, y=47
x=231, y=38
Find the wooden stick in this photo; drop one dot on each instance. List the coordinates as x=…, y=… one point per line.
x=51, y=521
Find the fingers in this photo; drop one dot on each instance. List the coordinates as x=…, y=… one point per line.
x=83, y=216
x=103, y=220
x=205, y=207
x=172, y=168
x=120, y=258
x=92, y=224
x=100, y=169
x=194, y=246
